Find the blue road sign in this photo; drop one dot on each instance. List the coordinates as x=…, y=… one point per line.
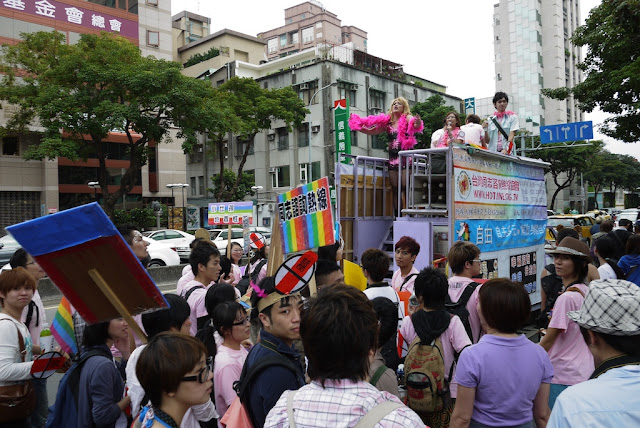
x=566, y=132
x=470, y=106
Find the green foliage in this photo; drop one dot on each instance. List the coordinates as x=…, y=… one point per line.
x=567, y=160
x=612, y=67
x=198, y=58
x=247, y=109
x=231, y=192
x=144, y=218
x=432, y=112
x=91, y=88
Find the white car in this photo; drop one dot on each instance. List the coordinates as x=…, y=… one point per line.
x=176, y=238
x=220, y=236
x=162, y=254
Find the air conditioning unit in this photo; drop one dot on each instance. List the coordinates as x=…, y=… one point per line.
x=354, y=87
x=273, y=170
x=200, y=149
x=270, y=206
x=304, y=86
x=226, y=145
x=271, y=137
x=315, y=129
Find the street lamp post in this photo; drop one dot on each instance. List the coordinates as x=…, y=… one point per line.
x=257, y=190
x=173, y=202
x=94, y=185
x=310, y=136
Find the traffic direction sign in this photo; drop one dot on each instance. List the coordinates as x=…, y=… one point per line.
x=566, y=132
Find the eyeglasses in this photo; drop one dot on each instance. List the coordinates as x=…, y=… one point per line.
x=476, y=260
x=203, y=373
x=243, y=322
x=137, y=237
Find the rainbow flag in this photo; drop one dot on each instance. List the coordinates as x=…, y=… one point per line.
x=62, y=328
x=306, y=217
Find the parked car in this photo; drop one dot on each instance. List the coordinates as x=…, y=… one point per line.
x=220, y=237
x=177, y=238
x=550, y=213
x=162, y=254
x=632, y=214
x=8, y=246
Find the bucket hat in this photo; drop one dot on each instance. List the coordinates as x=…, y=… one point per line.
x=572, y=247
x=611, y=306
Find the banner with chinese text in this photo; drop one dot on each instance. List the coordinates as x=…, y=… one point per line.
x=343, y=133
x=224, y=213
x=306, y=217
x=498, y=203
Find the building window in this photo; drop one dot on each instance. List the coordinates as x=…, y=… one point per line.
x=303, y=135
x=280, y=177
x=293, y=37
x=307, y=35
x=354, y=138
x=376, y=101
x=153, y=38
x=272, y=45
x=283, y=138
x=348, y=90
x=283, y=40
x=10, y=146
x=315, y=172
x=193, y=186
x=201, y=185
x=196, y=155
x=306, y=91
x=152, y=2
x=377, y=142
x=241, y=146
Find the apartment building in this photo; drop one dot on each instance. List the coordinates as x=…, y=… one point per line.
x=307, y=25
x=30, y=189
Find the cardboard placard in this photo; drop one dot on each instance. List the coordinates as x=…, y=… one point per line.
x=306, y=217
x=92, y=265
x=228, y=213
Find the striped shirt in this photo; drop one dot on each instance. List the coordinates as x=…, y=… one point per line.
x=340, y=403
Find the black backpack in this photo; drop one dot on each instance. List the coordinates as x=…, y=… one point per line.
x=459, y=308
x=248, y=375
x=64, y=412
x=243, y=284
x=200, y=321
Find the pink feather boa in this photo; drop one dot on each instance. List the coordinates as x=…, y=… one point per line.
x=406, y=139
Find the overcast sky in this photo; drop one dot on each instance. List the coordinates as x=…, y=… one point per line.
x=448, y=42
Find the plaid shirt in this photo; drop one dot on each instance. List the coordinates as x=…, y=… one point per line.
x=339, y=404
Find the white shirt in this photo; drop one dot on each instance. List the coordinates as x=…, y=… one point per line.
x=473, y=132
x=12, y=369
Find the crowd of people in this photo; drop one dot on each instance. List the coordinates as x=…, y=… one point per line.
x=452, y=358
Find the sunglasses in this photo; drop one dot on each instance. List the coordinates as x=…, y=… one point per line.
x=203, y=373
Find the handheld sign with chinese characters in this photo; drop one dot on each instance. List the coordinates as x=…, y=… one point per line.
x=92, y=265
x=296, y=272
x=228, y=213
x=306, y=217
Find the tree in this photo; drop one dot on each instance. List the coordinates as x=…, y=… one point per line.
x=602, y=169
x=80, y=93
x=432, y=111
x=250, y=109
x=570, y=161
x=231, y=190
x=612, y=67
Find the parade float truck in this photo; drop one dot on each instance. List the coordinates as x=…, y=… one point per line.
x=496, y=201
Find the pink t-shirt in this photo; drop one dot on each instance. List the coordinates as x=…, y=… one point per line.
x=397, y=279
x=196, y=303
x=572, y=362
x=227, y=368
x=457, y=284
x=454, y=339
x=237, y=274
x=186, y=277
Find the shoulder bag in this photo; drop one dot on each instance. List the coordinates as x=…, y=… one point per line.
x=19, y=400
